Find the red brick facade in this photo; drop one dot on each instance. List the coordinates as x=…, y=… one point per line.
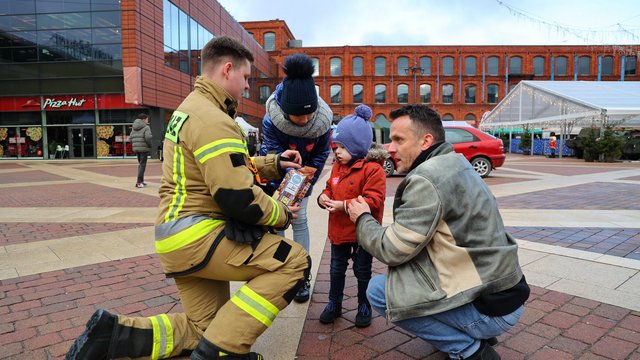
x=459, y=108
x=142, y=46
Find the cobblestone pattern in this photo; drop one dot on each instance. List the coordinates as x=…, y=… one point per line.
x=74, y=195
x=29, y=176
x=609, y=241
x=553, y=326
x=18, y=233
x=152, y=169
x=41, y=315
x=592, y=196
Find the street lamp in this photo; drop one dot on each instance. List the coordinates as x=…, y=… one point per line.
x=414, y=70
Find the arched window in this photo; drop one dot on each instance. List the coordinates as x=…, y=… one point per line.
x=515, y=65
x=447, y=94
x=425, y=93
x=492, y=94
x=403, y=93
x=470, y=66
x=380, y=66
x=265, y=92
x=358, y=94
x=269, y=41
x=607, y=65
x=561, y=66
x=630, y=65
x=358, y=66
x=447, y=66
x=425, y=64
x=316, y=66
x=335, y=63
x=447, y=117
x=381, y=93
x=469, y=94
x=470, y=117
x=403, y=65
x=493, y=65
x=584, y=65
x=538, y=66
x=336, y=94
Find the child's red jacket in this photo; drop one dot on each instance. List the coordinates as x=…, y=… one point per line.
x=364, y=177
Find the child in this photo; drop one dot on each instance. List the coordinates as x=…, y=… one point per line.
x=552, y=145
x=352, y=175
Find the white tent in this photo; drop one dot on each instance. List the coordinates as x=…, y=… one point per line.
x=562, y=103
x=248, y=128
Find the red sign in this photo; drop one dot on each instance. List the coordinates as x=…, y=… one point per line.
x=20, y=103
x=68, y=102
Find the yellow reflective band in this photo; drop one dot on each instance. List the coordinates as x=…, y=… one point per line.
x=275, y=213
x=218, y=147
x=180, y=190
x=162, y=336
x=255, y=305
x=187, y=236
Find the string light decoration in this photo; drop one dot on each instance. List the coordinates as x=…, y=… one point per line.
x=588, y=36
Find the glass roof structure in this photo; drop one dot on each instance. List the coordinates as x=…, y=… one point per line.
x=580, y=103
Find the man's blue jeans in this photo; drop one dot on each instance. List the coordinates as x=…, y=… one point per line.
x=457, y=331
x=300, y=226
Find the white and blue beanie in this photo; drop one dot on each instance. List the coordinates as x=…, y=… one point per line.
x=354, y=132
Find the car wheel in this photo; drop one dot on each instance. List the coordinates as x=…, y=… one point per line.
x=482, y=166
x=388, y=166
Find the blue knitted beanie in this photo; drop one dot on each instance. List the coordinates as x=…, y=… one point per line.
x=354, y=132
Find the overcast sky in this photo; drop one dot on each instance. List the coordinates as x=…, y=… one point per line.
x=449, y=22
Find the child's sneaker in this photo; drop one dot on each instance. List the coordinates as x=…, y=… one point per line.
x=331, y=312
x=139, y=185
x=363, y=317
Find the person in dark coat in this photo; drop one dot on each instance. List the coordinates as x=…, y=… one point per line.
x=141, y=138
x=298, y=119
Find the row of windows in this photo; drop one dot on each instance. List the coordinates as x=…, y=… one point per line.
x=13, y=7
x=183, y=38
x=402, y=93
x=559, y=66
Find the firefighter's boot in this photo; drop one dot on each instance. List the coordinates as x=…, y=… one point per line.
x=208, y=351
x=93, y=343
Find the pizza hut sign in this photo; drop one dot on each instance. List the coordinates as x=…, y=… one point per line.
x=64, y=103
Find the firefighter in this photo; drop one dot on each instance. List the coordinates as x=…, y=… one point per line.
x=211, y=230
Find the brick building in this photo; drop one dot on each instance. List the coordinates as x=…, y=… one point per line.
x=460, y=82
x=75, y=73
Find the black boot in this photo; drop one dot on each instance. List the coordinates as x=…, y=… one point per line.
x=303, y=292
x=485, y=352
x=331, y=312
x=363, y=317
x=208, y=351
x=93, y=343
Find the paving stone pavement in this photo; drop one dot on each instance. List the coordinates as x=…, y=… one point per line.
x=76, y=236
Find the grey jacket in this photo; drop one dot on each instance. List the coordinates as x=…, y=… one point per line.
x=447, y=245
x=140, y=137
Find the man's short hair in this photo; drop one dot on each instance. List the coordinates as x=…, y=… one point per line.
x=425, y=120
x=142, y=116
x=224, y=49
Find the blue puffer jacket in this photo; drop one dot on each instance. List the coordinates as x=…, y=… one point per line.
x=311, y=140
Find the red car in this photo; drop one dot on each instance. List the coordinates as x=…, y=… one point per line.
x=485, y=152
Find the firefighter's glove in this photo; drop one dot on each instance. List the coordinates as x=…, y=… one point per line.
x=243, y=233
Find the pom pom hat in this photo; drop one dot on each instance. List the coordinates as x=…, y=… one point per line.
x=298, y=95
x=354, y=132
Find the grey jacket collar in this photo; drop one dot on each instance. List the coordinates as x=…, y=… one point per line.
x=315, y=128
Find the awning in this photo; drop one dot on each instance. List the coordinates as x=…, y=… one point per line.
x=581, y=103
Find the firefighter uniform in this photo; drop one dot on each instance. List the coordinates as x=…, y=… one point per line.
x=206, y=178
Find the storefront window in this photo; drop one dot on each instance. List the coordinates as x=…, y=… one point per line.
x=113, y=140
x=21, y=142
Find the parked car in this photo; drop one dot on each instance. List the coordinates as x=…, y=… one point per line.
x=485, y=152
